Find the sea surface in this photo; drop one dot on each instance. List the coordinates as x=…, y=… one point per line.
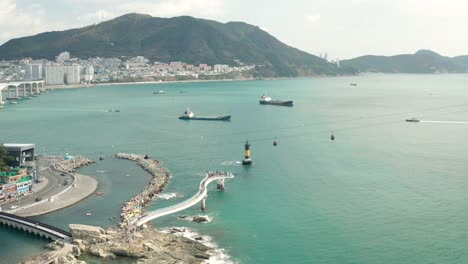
x=384, y=191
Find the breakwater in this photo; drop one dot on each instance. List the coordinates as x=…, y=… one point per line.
x=133, y=208
x=71, y=165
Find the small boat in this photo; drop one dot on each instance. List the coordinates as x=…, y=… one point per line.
x=266, y=100
x=13, y=102
x=413, y=120
x=189, y=115
x=98, y=193
x=353, y=84
x=159, y=92
x=113, y=110
x=88, y=213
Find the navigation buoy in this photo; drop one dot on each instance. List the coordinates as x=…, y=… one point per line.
x=332, y=136
x=275, y=143
x=247, y=160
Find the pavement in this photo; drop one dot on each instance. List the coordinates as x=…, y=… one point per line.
x=85, y=186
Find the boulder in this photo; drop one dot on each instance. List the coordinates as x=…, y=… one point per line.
x=76, y=251
x=86, y=232
x=200, y=219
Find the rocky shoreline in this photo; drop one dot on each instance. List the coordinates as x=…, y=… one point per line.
x=71, y=165
x=143, y=245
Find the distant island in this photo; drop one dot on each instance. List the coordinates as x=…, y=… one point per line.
x=187, y=39
x=423, y=61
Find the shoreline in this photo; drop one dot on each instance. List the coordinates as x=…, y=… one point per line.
x=94, y=85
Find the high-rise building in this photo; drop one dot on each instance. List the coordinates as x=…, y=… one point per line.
x=54, y=74
x=62, y=57
x=72, y=74
x=33, y=72
x=88, y=74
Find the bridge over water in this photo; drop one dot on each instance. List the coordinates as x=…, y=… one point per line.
x=200, y=196
x=36, y=227
x=24, y=89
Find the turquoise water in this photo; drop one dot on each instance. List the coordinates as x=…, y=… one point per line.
x=385, y=191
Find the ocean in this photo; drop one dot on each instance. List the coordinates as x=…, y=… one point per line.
x=384, y=191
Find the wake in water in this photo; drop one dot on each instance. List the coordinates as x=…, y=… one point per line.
x=217, y=255
x=101, y=171
x=230, y=163
x=168, y=196
x=444, y=122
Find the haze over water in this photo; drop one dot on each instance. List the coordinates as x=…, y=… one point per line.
x=384, y=191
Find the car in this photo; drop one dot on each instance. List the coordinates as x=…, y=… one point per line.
x=63, y=174
x=13, y=207
x=38, y=199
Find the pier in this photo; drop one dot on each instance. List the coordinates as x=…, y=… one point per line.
x=32, y=226
x=200, y=196
x=18, y=90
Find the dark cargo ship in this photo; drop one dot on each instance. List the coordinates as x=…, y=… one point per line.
x=267, y=101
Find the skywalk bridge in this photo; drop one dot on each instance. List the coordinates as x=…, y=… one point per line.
x=200, y=196
x=36, y=227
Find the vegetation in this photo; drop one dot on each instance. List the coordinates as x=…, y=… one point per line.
x=183, y=38
x=423, y=61
x=5, y=160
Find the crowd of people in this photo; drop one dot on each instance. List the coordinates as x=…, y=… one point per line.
x=133, y=209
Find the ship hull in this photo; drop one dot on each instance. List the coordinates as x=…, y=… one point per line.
x=276, y=102
x=207, y=118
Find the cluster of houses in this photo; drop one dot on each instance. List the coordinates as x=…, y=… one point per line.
x=14, y=183
x=18, y=180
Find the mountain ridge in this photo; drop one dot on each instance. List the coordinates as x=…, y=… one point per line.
x=184, y=38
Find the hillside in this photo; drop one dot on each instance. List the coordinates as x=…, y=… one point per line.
x=184, y=39
x=423, y=61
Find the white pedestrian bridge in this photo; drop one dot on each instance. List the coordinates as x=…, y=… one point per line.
x=200, y=196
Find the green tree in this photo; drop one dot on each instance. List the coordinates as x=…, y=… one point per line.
x=5, y=160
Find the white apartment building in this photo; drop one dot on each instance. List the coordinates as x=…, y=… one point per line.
x=54, y=74
x=72, y=74
x=33, y=72
x=62, y=57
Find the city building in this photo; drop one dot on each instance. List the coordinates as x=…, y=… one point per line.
x=63, y=57
x=72, y=74
x=54, y=74
x=33, y=72
x=88, y=74
x=20, y=152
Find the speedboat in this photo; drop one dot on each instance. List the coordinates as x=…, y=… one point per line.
x=159, y=92
x=413, y=120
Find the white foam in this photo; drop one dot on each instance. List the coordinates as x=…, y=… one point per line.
x=167, y=196
x=229, y=163
x=217, y=255
x=444, y=122
x=101, y=171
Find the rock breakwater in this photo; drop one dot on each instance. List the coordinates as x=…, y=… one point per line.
x=133, y=208
x=71, y=165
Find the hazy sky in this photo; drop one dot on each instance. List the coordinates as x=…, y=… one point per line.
x=341, y=28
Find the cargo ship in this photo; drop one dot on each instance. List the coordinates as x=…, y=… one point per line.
x=189, y=115
x=268, y=101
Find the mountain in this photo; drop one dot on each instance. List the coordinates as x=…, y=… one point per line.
x=186, y=39
x=423, y=61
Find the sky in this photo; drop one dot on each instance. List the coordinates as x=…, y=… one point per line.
x=341, y=28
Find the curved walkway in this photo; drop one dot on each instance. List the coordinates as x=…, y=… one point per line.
x=198, y=197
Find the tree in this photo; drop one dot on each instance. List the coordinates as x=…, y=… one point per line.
x=5, y=160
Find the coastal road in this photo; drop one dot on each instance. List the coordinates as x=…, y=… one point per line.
x=53, y=186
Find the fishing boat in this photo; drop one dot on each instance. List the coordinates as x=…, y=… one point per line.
x=414, y=120
x=159, y=92
x=189, y=115
x=266, y=100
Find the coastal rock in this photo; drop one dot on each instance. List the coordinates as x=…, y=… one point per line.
x=86, y=232
x=200, y=219
x=76, y=251
x=102, y=254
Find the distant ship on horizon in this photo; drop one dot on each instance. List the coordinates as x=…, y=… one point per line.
x=268, y=101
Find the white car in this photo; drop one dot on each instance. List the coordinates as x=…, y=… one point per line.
x=13, y=207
